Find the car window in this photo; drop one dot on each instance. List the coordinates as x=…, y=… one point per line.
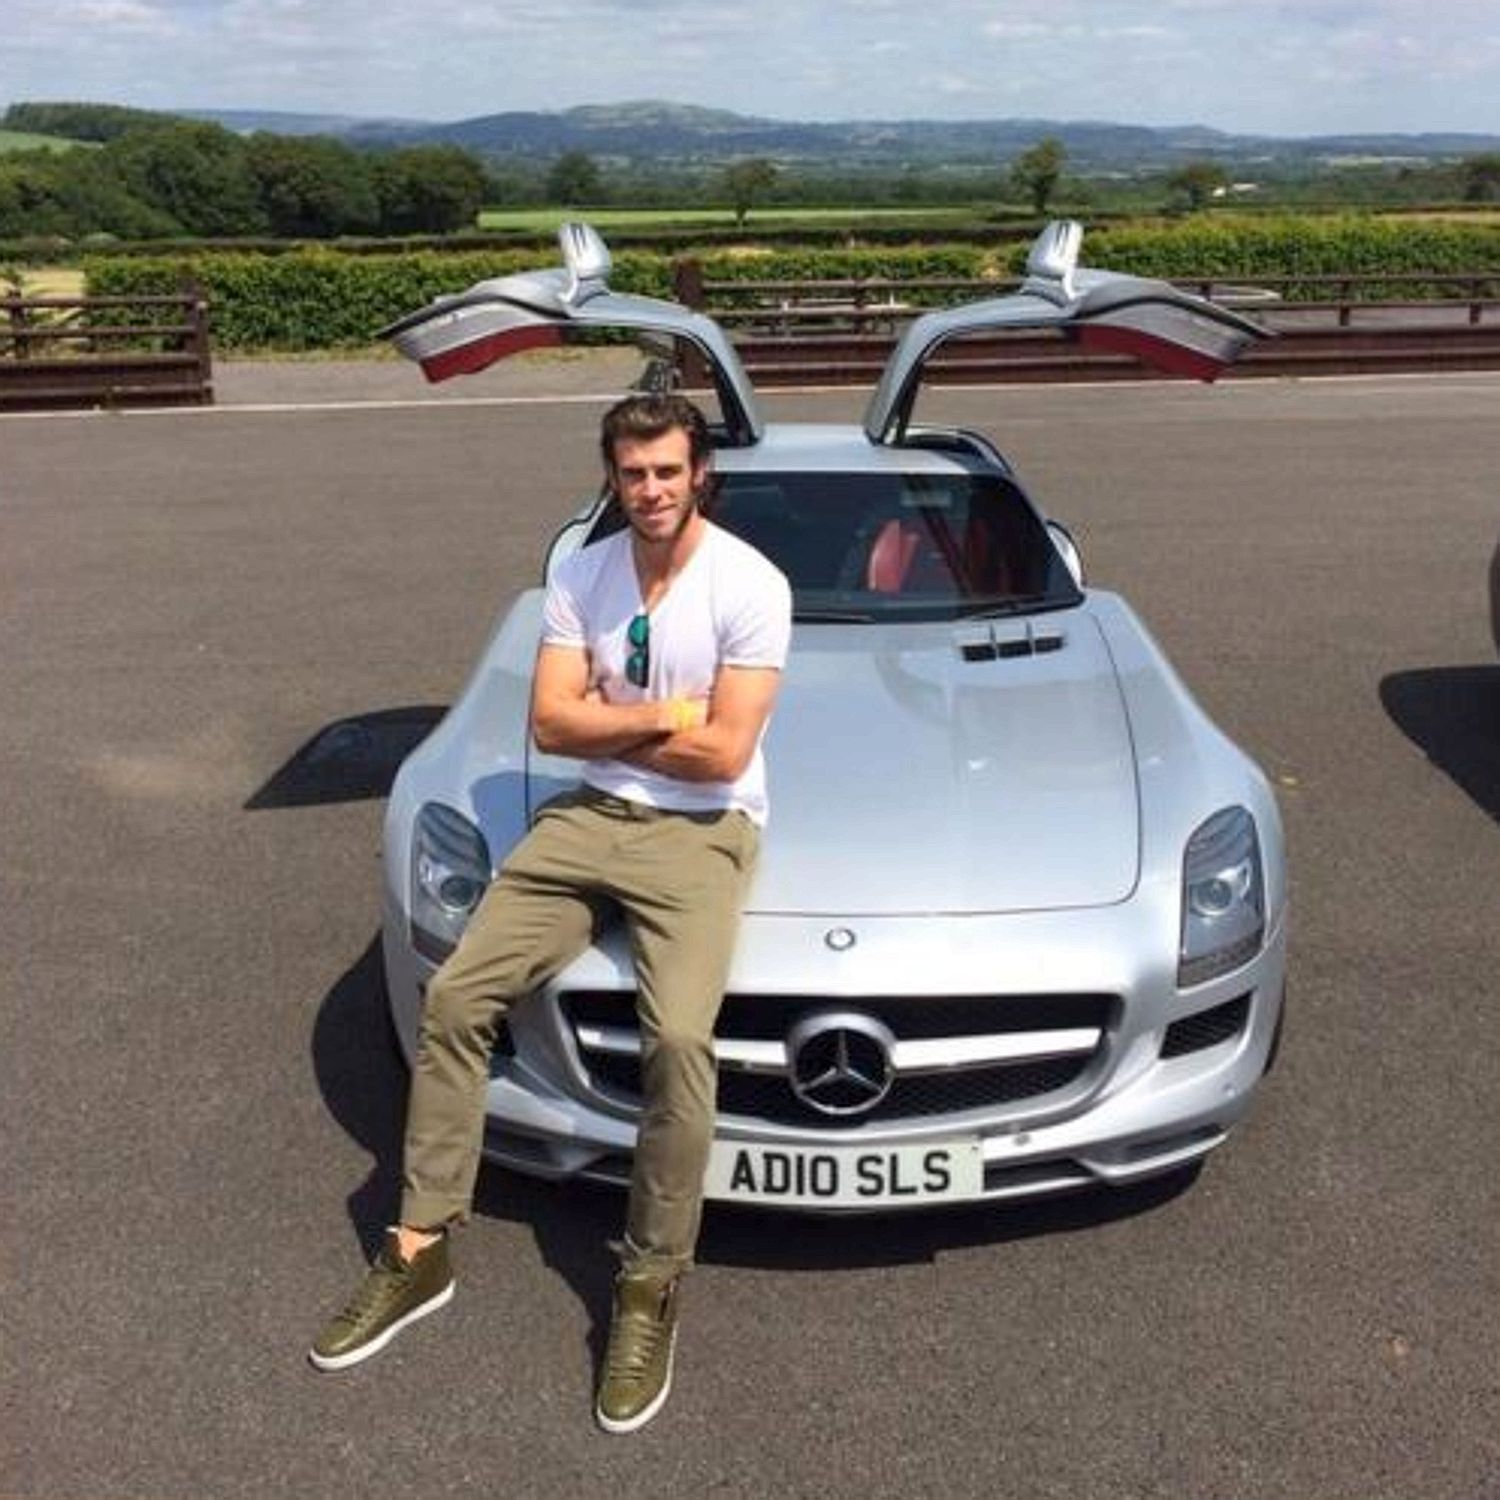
x=893, y=546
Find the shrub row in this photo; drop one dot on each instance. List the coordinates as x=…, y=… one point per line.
x=1348, y=246
x=322, y=299
x=726, y=271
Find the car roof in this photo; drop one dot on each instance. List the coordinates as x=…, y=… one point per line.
x=839, y=447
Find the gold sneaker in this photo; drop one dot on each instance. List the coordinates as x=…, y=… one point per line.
x=394, y=1294
x=637, y=1371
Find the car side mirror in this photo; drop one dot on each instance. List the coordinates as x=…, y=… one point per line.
x=1062, y=539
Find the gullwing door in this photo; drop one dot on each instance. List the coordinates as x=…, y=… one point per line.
x=495, y=319
x=1168, y=329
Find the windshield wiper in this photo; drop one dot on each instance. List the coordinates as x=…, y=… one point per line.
x=1016, y=606
x=832, y=616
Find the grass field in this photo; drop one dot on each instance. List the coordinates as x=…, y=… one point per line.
x=49, y=281
x=1480, y=214
x=20, y=140
x=541, y=220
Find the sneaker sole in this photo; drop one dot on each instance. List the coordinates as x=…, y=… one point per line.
x=631, y=1424
x=328, y=1362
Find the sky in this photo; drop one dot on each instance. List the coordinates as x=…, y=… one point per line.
x=1275, y=67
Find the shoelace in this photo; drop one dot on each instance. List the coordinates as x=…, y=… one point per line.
x=378, y=1288
x=632, y=1353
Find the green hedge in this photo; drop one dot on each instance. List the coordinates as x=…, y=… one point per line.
x=1348, y=246
x=842, y=264
x=320, y=299
x=907, y=263
x=323, y=299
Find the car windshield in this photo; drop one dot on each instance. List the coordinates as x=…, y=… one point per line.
x=894, y=546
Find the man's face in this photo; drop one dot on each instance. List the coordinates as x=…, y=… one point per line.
x=657, y=484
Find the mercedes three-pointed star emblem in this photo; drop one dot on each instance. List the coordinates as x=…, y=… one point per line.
x=841, y=1061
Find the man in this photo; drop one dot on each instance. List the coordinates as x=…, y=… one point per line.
x=662, y=647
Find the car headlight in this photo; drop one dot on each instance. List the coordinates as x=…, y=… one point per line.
x=1223, y=898
x=450, y=871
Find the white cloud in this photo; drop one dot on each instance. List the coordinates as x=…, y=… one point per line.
x=119, y=13
x=1013, y=31
x=1281, y=66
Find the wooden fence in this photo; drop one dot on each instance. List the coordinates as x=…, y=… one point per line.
x=841, y=332
x=58, y=352
x=104, y=352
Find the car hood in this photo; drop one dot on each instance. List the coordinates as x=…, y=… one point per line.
x=950, y=769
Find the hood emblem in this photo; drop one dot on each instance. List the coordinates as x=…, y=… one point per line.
x=841, y=1062
x=840, y=939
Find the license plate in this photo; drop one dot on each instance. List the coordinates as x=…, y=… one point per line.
x=845, y=1176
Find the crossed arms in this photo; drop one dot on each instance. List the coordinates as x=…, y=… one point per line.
x=708, y=739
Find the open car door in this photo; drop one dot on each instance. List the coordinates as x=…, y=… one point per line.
x=1170, y=330
x=470, y=331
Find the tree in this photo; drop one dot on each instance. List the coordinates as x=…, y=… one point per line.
x=573, y=178
x=514, y=183
x=73, y=194
x=744, y=181
x=198, y=174
x=429, y=189
x=313, y=187
x=1481, y=177
x=79, y=122
x=1036, y=173
x=1198, y=181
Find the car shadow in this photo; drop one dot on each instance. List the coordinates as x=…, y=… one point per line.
x=362, y=1078
x=1452, y=714
x=363, y=1081
x=351, y=760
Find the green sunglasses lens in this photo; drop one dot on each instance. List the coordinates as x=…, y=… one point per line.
x=638, y=663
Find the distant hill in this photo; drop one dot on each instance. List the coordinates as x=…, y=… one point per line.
x=283, y=122
x=675, y=136
x=653, y=131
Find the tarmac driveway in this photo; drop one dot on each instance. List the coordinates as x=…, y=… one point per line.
x=222, y=629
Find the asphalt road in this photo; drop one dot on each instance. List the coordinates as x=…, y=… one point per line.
x=221, y=629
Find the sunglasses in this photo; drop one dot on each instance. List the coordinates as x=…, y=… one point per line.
x=638, y=663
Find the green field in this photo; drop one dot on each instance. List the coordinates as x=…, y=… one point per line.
x=541, y=220
x=20, y=140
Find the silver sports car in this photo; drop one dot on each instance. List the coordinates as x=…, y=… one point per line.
x=1020, y=920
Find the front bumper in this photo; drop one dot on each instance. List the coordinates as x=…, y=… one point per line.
x=1171, y=1073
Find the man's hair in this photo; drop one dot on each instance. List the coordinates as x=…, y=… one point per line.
x=643, y=418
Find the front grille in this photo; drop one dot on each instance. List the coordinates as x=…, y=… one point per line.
x=911, y=1017
x=768, y=1096
x=1206, y=1029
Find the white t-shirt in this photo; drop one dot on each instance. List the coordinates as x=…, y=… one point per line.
x=729, y=606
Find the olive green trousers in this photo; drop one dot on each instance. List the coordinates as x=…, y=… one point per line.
x=680, y=880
